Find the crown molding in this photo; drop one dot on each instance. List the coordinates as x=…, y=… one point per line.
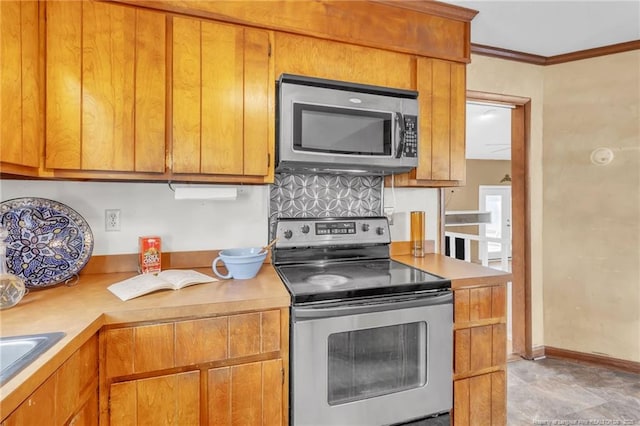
x=592, y=53
x=444, y=10
x=512, y=55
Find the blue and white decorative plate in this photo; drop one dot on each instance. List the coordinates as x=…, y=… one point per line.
x=48, y=243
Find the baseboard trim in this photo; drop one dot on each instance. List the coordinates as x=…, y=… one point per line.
x=601, y=360
x=537, y=352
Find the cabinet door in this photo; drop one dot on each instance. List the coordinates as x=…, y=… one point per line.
x=38, y=409
x=339, y=61
x=480, y=400
x=165, y=400
x=246, y=394
x=78, y=382
x=221, y=83
x=441, y=151
x=105, y=106
x=442, y=88
x=20, y=114
x=479, y=348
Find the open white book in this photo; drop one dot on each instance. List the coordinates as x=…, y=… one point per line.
x=171, y=279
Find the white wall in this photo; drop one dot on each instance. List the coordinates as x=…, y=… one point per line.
x=150, y=209
x=591, y=251
x=407, y=200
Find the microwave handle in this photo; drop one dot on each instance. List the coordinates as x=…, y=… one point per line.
x=401, y=125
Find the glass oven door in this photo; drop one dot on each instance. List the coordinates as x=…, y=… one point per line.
x=372, y=364
x=366, y=363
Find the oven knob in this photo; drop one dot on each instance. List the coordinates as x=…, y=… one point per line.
x=305, y=229
x=365, y=227
x=288, y=234
x=380, y=230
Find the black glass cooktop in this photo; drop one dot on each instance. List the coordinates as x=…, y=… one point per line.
x=343, y=280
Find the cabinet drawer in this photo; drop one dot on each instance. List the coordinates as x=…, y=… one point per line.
x=139, y=349
x=479, y=304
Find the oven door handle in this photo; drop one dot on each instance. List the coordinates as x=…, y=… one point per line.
x=307, y=313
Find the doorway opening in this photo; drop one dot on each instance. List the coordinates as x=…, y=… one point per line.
x=522, y=344
x=478, y=225
x=515, y=176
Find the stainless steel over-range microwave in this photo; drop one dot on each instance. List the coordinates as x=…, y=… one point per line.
x=334, y=126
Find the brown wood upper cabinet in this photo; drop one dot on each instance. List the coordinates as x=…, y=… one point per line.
x=105, y=96
x=222, y=112
x=442, y=96
x=142, y=91
x=21, y=116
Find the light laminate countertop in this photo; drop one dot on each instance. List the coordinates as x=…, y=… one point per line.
x=82, y=309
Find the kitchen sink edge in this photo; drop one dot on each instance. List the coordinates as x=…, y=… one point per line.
x=18, y=352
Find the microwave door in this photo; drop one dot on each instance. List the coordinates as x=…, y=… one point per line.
x=342, y=131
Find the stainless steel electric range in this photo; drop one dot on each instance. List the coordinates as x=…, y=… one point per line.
x=371, y=338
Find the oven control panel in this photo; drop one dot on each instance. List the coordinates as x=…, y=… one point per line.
x=318, y=232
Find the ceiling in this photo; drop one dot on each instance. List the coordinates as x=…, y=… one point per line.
x=549, y=28
x=488, y=132
x=542, y=27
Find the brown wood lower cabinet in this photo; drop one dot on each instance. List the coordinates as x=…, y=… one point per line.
x=223, y=370
x=480, y=353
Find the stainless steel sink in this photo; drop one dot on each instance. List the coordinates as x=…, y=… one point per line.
x=17, y=352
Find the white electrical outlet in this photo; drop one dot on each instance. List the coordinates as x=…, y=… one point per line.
x=112, y=220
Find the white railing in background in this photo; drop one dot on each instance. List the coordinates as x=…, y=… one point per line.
x=483, y=247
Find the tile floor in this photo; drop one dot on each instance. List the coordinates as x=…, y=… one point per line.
x=559, y=392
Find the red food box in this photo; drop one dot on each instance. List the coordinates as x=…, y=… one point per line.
x=150, y=254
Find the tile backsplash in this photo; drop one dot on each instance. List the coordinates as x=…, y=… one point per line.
x=324, y=195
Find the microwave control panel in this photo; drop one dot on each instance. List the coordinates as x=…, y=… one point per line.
x=410, y=136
